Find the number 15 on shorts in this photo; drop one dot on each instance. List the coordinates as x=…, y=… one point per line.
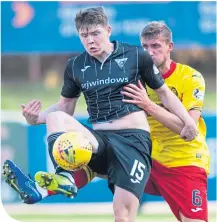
x=137, y=172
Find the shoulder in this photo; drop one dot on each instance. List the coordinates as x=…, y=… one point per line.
x=137, y=49
x=142, y=53
x=188, y=72
x=77, y=60
x=130, y=47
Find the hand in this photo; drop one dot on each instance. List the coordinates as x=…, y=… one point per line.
x=137, y=94
x=189, y=132
x=31, y=111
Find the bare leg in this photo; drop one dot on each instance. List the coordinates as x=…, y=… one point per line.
x=60, y=121
x=125, y=205
x=57, y=123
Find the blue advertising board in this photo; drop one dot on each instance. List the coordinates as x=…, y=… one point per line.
x=47, y=27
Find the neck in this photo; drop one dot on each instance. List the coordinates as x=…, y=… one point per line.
x=109, y=49
x=164, y=68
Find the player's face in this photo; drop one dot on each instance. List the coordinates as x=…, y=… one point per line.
x=95, y=39
x=158, y=48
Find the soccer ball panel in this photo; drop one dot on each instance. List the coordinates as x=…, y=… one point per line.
x=72, y=151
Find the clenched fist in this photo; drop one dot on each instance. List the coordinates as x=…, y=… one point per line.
x=189, y=132
x=31, y=111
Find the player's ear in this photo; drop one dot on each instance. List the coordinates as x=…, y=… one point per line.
x=109, y=29
x=170, y=48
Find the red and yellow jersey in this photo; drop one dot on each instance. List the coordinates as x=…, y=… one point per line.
x=167, y=147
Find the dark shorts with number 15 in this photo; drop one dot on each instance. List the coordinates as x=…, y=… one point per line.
x=125, y=156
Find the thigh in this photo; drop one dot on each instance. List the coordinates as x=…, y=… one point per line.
x=99, y=161
x=62, y=122
x=129, y=167
x=185, y=190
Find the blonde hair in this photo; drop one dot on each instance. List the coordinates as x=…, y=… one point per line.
x=155, y=28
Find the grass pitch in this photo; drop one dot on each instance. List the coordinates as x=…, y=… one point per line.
x=97, y=218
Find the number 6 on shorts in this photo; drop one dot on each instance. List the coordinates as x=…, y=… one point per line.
x=196, y=199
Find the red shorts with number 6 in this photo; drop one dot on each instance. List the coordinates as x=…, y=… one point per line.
x=183, y=188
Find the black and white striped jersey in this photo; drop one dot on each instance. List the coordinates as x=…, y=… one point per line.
x=101, y=83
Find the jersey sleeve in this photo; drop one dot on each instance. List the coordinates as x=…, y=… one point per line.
x=193, y=92
x=149, y=72
x=70, y=89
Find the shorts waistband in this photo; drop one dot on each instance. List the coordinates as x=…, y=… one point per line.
x=140, y=131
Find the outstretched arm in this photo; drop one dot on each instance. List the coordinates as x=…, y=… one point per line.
x=34, y=116
x=173, y=104
x=67, y=102
x=66, y=105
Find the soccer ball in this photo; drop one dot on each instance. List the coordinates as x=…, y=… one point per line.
x=72, y=151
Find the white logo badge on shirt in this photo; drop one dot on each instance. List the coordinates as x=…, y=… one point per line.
x=198, y=94
x=84, y=69
x=121, y=62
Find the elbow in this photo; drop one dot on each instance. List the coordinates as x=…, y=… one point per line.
x=67, y=106
x=63, y=107
x=70, y=112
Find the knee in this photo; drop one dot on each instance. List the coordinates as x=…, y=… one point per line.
x=55, y=122
x=54, y=116
x=59, y=116
x=59, y=121
x=121, y=214
x=125, y=205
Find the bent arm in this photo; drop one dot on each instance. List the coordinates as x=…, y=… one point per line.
x=66, y=105
x=166, y=118
x=173, y=104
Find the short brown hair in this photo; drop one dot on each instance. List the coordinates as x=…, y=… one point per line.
x=91, y=16
x=154, y=28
